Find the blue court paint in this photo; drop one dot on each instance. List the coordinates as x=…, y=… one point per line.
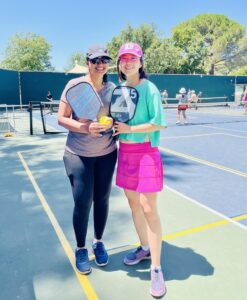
x=221, y=149
x=222, y=141
x=217, y=189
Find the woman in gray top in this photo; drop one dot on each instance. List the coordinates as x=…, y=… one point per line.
x=90, y=159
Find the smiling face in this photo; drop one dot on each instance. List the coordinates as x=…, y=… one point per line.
x=130, y=64
x=98, y=65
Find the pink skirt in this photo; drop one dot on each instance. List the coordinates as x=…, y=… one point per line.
x=139, y=168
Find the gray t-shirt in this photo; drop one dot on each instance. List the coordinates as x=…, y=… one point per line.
x=83, y=144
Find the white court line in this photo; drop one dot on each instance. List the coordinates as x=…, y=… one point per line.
x=201, y=135
x=207, y=208
x=234, y=135
x=189, y=136
x=204, y=162
x=220, y=128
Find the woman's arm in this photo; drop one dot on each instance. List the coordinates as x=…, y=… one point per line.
x=141, y=128
x=65, y=120
x=81, y=125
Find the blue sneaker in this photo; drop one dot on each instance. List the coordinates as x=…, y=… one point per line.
x=82, y=261
x=101, y=256
x=136, y=256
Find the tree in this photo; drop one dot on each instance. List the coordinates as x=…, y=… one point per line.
x=145, y=35
x=162, y=57
x=240, y=72
x=76, y=58
x=238, y=60
x=211, y=42
x=27, y=52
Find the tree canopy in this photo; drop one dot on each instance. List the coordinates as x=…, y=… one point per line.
x=211, y=43
x=76, y=58
x=27, y=52
x=207, y=43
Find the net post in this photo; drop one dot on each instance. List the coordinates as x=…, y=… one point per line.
x=227, y=104
x=42, y=117
x=30, y=109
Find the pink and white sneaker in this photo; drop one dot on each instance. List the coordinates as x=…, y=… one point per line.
x=158, y=287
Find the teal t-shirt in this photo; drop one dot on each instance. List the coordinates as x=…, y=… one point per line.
x=149, y=110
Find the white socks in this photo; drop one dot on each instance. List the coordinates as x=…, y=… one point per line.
x=145, y=248
x=156, y=268
x=96, y=241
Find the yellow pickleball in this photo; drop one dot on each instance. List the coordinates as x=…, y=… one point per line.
x=8, y=134
x=105, y=120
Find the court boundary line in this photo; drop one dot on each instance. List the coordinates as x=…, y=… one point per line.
x=83, y=280
x=234, y=135
x=202, y=228
x=220, y=128
x=190, y=136
x=224, y=221
x=211, y=210
x=204, y=162
x=202, y=135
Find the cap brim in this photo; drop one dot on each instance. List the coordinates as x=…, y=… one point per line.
x=98, y=54
x=129, y=52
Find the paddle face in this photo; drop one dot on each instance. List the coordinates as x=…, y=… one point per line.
x=123, y=103
x=84, y=101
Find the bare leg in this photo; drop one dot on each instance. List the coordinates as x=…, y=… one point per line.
x=184, y=115
x=178, y=117
x=138, y=216
x=245, y=106
x=149, y=204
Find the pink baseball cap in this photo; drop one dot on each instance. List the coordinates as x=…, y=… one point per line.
x=130, y=48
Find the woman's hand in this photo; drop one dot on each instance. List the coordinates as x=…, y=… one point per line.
x=108, y=121
x=96, y=129
x=121, y=128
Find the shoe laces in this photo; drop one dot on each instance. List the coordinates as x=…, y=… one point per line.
x=156, y=275
x=82, y=254
x=138, y=249
x=100, y=248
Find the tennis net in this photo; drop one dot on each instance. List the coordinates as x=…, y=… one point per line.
x=200, y=102
x=45, y=113
x=209, y=115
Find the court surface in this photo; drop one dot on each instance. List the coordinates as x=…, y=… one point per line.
x=203, y=209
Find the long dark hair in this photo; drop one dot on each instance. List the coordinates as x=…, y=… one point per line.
x=122, y=77
x=105, y=77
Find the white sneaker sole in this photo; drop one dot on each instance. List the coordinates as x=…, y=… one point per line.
x=101, y=265
x=136, y=261
x=158, y=296
x=83, y=273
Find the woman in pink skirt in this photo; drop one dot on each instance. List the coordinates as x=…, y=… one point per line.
x=140, y=169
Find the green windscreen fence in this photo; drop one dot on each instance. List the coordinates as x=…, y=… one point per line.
x=210, y=86
x=9, y=87
x=241, y=79
x=35, y=85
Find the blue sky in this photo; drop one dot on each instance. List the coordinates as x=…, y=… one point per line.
x=72, y=26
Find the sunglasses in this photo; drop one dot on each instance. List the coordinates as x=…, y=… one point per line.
x=98, y=60
x=128, y=59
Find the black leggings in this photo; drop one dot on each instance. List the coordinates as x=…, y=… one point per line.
x=91, y=180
